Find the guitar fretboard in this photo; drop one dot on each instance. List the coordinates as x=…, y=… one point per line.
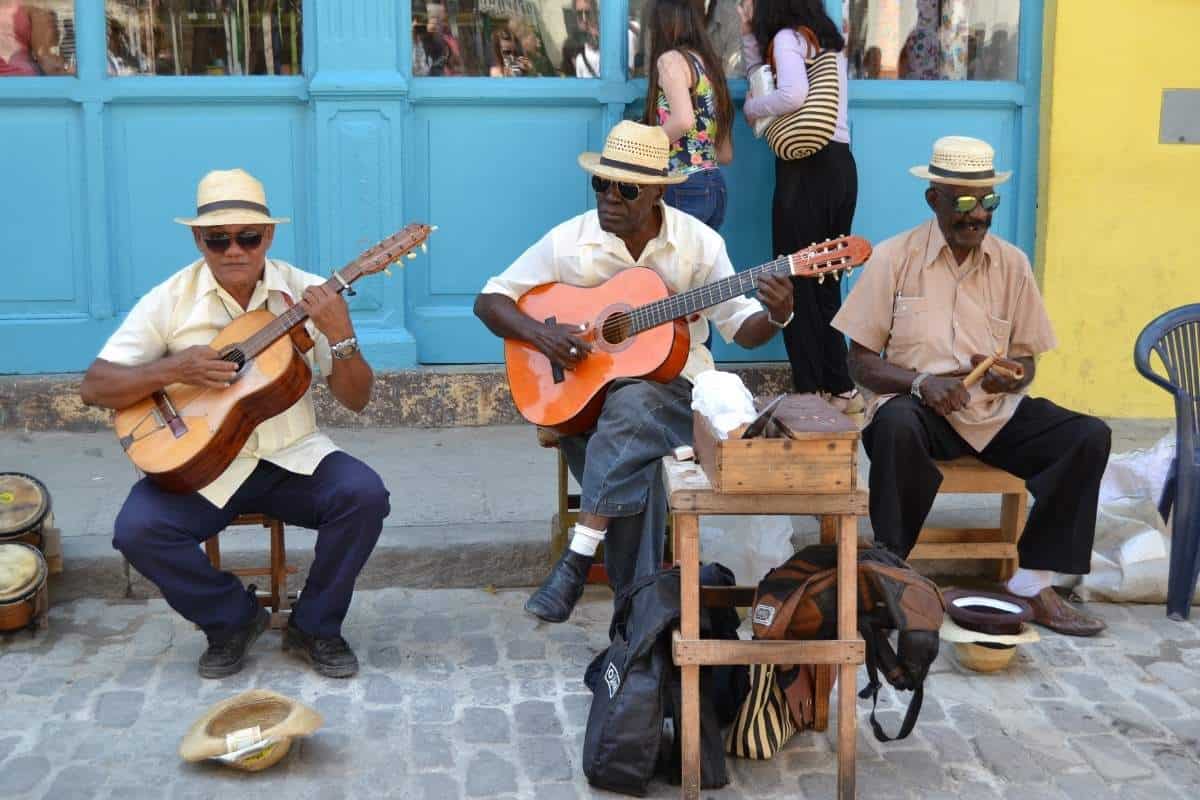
x=670, y=308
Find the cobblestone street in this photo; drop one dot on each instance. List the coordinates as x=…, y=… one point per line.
x=463, y=695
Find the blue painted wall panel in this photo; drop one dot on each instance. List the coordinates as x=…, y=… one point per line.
x=40, y=233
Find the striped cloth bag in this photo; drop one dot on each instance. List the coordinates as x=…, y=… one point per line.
x=806, y=130
x=763, y=724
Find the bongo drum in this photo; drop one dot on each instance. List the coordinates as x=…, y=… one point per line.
x=23, y=595
x=24, y=505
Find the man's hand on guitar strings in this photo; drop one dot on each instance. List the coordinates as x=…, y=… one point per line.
x=201, y=366
x=775, y=293
x=329, y=313
x=561, y=344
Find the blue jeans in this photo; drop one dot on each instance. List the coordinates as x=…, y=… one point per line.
x=702, y=195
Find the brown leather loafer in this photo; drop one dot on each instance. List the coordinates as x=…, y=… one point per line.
x=1051, y=611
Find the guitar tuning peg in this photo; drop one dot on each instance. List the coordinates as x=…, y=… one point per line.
x=424, y=247
x=411, y=256
x=387, y=272
x=433, y=227
x=837, y=276
x=821, y=278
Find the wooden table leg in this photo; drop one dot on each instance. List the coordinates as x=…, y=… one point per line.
x=687, y=538
x=847, y=629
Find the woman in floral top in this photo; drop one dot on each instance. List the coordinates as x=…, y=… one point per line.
x=688, y=97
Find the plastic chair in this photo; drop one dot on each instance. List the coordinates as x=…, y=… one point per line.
x=1175, y=337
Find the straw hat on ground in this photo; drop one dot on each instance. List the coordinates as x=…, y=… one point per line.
x=230, y=197
x=633, y=153
x=250, y=731
x=961, y=161
x=1004, y=623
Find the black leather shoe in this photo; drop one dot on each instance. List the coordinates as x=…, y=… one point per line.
x=226, y=657
x=562, y=590
x=331, y=657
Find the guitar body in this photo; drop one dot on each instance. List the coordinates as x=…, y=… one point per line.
x=573, y=404
x=215, y=423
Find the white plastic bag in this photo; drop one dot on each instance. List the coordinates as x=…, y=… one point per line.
x=748, y=545
x=724, y=399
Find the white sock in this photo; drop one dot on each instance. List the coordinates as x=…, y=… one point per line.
x=585, y=540
x=1028, y=582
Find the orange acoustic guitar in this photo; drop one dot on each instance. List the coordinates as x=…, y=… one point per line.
x=636, y=329
x=183, y=437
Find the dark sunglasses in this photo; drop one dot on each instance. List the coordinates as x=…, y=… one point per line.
x=966, y=203
x=629, y=191
x=219, y=242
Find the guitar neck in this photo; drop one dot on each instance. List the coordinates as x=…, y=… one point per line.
x=681, y=305
x=281, y=325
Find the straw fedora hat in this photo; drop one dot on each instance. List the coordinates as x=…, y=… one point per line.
x=250, y=731
x=962, y=161
x=230, y=197
x=633, y=153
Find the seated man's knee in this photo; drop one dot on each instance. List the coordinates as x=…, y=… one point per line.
x=1096, y=434
x=133, y=532
x=363, y=490
x=630, y=399
x=899, y=420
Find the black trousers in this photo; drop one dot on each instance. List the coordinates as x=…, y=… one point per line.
x=1060, y=454
x=814, y=200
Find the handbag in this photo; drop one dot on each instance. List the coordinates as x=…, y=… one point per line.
x=764, y=723
x=800, y=133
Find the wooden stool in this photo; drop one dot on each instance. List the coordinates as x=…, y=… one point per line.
x=278, y=599
x=968, y=475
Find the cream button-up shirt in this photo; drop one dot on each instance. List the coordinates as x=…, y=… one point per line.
x=190, y=308
x=686, y=254
x=924, y=311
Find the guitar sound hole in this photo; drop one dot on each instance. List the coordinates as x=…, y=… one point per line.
x=235, y=356
x=616, y=328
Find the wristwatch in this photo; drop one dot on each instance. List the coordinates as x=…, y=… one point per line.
x=345, y=349
x=781, y=325
x=915, y=388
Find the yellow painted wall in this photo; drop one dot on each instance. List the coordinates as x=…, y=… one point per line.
x=1119, y=213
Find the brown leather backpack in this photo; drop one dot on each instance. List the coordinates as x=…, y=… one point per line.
x=798, y=600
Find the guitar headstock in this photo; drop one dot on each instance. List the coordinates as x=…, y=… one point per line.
x=395, y=247
x=831, y=256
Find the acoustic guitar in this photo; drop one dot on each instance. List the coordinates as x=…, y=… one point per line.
x=183, y=437
x=636, y=329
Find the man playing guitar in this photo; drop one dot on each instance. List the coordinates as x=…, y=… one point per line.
x=623, y=503
x=287, y=469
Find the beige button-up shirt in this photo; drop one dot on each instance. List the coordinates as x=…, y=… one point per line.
x=686, y=254
x=190, y=309
x=920, y=308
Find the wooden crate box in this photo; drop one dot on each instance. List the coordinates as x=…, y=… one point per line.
x=813, y=449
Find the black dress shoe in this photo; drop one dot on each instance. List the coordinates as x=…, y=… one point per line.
x=562, y=590
x=226, y=657
x=331, y=657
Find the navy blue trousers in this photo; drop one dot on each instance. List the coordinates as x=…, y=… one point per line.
x=344, y=500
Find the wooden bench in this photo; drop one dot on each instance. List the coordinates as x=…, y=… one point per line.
x=278, y=598
x=968, y=475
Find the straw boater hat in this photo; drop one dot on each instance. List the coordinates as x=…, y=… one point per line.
x=962, y=161
x=250, y=731
x=230, y=197
x=633, y=153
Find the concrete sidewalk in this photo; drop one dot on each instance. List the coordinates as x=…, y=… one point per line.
x=471, y=507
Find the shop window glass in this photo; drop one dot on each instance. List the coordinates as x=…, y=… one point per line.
x=506, y=38
x=37, y=37
x=933, y=39
x=204, y=37
x=721, y=21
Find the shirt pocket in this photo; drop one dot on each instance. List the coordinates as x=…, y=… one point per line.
x=910, y=328
x=1000, y=329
